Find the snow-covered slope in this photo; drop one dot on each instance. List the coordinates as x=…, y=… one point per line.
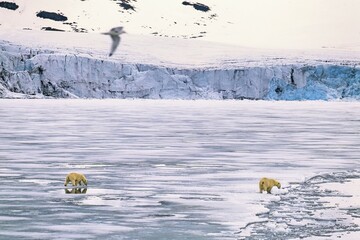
x=255, y=23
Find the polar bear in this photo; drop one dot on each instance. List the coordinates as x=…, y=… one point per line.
x=266, y=184
x=75, y=179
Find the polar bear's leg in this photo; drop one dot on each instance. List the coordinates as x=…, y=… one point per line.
x=73, y=181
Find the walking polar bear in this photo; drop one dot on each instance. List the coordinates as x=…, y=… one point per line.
x=75, y=179
x=266, y=184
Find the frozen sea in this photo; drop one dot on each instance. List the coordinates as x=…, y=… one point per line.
x=179, y=169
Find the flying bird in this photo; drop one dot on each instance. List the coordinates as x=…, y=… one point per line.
x=115, y=36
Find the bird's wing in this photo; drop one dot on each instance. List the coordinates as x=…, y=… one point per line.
x=116, y=29
x=115, y=43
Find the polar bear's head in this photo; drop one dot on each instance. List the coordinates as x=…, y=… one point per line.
x=276, y=183
x=84, y=180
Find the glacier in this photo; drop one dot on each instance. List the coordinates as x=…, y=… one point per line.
x=27, y=72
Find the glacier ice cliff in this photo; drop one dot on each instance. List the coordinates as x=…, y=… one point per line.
x=32, y=73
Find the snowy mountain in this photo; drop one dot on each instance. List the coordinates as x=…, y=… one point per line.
x=254, y=23
x=55, y=50
x=175, y=19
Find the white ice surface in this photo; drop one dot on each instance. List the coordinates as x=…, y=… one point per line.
x=179, y=166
